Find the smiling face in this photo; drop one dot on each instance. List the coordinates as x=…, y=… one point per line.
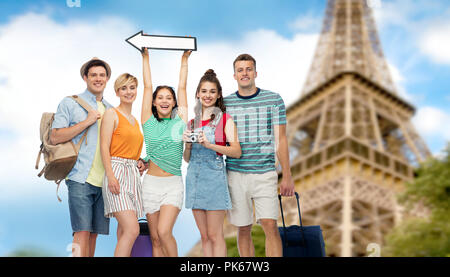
x=164, y=102
x=126, y=88
x=127, y=93
x=208, y=94
x=96, y=79
x=245, y=74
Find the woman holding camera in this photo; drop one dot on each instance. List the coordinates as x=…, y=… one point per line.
x=210, y=135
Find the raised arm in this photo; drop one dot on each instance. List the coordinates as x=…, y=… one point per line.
x=147, y=99
x=182, y=94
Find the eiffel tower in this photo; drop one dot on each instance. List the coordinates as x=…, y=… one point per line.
x=352, y=144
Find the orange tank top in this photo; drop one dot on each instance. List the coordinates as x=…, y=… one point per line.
x=127, y=139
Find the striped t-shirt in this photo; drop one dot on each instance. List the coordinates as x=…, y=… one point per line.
x=255, y=116
x=164, y=143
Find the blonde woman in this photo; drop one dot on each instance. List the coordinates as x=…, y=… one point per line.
x=121, y=143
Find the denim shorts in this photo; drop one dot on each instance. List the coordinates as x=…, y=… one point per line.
x=86, y=208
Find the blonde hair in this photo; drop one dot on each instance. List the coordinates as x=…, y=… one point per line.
x=124, y=80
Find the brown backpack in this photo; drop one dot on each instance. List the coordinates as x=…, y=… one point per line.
x=61, y=158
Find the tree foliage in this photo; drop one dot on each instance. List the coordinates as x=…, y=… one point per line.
x=425, y=237
x=30, y=251
x=258, y=241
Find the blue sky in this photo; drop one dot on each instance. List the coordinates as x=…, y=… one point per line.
x=217, y=19
x=43, y=44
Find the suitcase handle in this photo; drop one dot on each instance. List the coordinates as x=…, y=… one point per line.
x=299, y=215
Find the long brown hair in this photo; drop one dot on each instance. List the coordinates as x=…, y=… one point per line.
x=209, y=76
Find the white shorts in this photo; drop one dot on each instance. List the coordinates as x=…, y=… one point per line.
x=245, y=188
x=159, y=191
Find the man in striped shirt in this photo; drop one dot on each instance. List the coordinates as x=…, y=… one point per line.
x=260, y=116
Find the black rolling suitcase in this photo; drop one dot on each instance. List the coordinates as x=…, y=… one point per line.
x=301, y=241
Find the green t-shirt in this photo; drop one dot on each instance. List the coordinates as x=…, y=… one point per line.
x=164, y=143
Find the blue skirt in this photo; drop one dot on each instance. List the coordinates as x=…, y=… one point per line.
x=207, y=184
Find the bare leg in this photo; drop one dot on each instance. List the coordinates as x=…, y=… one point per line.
x=153, y=220
x=201, y=221
x=92, y=244
x=167, y=217
x=119, y=232
x=215, y=232
x=80, y=245
x=274, y=247
x=245, y=243
x=129, y=231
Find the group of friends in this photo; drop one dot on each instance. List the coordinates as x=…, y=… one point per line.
x=248, y=127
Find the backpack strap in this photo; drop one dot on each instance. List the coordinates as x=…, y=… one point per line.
x=78, y=146
x=58, y=182
x=88, y=108
x=39, y=156
x=81, y=102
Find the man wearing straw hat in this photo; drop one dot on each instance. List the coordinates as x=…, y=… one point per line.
x=84, y=182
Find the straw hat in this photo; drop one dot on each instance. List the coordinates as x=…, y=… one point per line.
x=83, y=68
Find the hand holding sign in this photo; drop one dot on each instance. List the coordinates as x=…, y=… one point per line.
x=141, y=40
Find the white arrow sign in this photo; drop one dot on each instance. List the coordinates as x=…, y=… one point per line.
x=141, y=40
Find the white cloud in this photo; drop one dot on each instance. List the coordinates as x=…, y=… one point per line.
x=432, y=122
x=392, y=12
x=307, y=23
x=396, y=75
x=40, y=61
x=435, y=42
x=400, y=82
x=425, y=22
x=407, y=14
x=398, y=79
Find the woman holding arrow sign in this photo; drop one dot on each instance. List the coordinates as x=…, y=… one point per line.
x=163, y=122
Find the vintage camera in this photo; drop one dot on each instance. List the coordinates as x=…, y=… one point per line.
x=193, y=137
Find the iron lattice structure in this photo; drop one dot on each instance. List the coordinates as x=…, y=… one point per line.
x=348, y=42
x=352, y=144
